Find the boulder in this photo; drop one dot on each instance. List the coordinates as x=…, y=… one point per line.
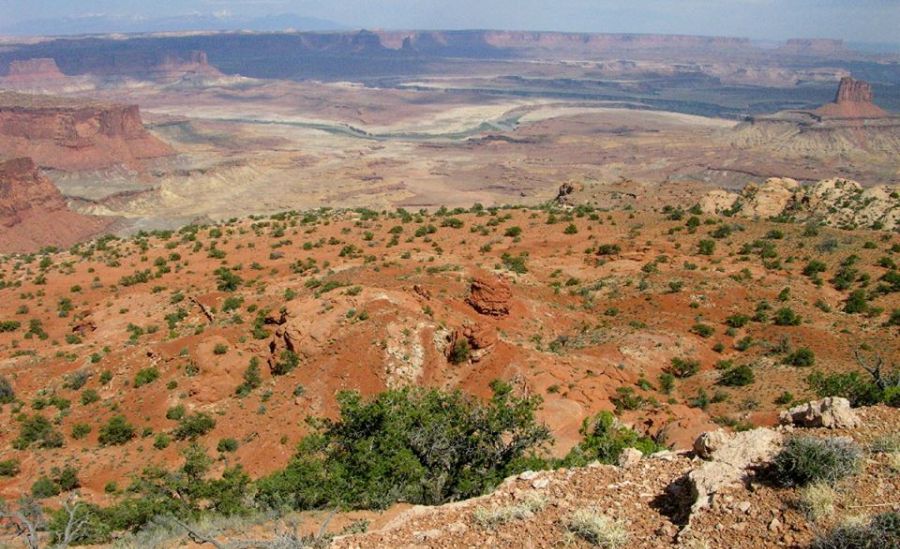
x=630, y=457
x=717, y=201
x=708, y=443
x=729, y=458
x=830, y=413
x=769, y=199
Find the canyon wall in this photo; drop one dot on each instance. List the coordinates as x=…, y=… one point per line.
x=34, y=214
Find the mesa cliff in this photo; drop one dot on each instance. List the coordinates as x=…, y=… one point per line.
x=34, y=214
x=74, y=135
x=33, y=70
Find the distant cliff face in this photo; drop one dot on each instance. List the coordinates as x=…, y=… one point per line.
x=193, y=65
x=813, y=46
x=483, y=43
x=34, y=214
x=33, y=70
x=74, y=136
x=23, y=190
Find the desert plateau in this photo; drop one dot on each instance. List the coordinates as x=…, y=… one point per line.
x=271, y=287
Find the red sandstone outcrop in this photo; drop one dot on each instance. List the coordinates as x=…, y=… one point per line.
x=34, y=214
x=28, y=71
x=854, y=99
x=75, y=135
x=490, y=295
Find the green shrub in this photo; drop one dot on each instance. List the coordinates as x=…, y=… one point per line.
x=9, y=325
x=737, y=320
x=227, y=445
x=7, y=394
x=176, y=412
x=89, y=396
x=856, y=302
x=801, y=357
x=850, y=385
x=604, y=439
x=61, y=480
x=37, y=431
x=80, y=430
x=706, y=247
x=116, y=432
x=666, y=382
x=805, y=460
x=415, y=445
x=460, y=351
x=683, y=367
x=193, y=426
x=252, y=379
x=738, y=376
x=227, y=281
x=287, y=361
x=9, y=468
x=881, y=532
x=814, y=267
x=608, y=249
x=786, y=316
x=145, y=376
x=703, y=330
x=626, y=399
x=43, y=488
x=162, y=441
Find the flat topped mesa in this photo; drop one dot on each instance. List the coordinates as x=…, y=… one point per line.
x=854, y=99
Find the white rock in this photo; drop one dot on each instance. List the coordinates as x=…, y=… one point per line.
x=630, y=457
x=831, y=413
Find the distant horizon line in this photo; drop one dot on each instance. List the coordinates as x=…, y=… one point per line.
x=356, y=29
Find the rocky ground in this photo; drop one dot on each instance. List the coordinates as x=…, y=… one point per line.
x=587, y=310
x=646, y=497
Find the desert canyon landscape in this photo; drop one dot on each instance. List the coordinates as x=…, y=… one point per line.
x=380, y=288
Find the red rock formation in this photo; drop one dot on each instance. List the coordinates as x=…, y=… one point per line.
x=71, y=135
x=490, y=295
x=853, y=100
x=34, y=214
x=27, y=71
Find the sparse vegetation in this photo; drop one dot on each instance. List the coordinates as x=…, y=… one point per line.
x=805, y=460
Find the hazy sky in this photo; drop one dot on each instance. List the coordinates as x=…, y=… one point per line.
x=854, y=20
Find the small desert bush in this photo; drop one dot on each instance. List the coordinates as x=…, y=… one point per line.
x=7, y=394
x=116, y=432
x=805, y=460
x=604, y=439
x=683, y=367
x=817, y=500
x=882, y=532
x=737, y=376
x=495, y=516
x=597, y=529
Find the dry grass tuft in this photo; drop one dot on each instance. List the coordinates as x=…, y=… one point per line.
x=597, y=529
x=490, y=518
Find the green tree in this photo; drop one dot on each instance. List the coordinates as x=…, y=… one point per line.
x=413, y=444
